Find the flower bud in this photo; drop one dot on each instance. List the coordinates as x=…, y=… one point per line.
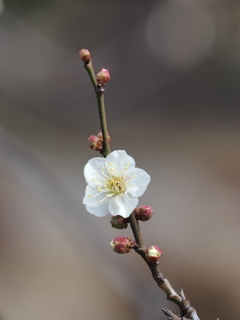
x=119, y=222
x=153, y=254
x=84, y=55
x=95, y=143
x=121, y=245
x=100, y=136
x=143, y=213
x=103, y=76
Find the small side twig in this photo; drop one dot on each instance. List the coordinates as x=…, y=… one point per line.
x=170, y=314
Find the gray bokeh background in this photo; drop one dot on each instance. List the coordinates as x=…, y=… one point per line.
x=171, y=103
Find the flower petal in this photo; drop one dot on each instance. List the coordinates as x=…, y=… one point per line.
x=92, y=195
x=92, y=172
x=98, y=209
x=92, y=199
x=119, y=163
x=122, y=205
x=139, y=183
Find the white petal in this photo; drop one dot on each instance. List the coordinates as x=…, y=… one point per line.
x=92, y=199
x=92, y=172
x=99, y=210
x=123, y=207
x=92, y=195
x=139, y=183
x=119, y=163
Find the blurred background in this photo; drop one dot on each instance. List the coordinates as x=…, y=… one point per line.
x=171, y=103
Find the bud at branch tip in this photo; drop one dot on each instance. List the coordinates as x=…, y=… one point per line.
x=85, y=55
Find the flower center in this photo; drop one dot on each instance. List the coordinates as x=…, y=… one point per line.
x=116, y=185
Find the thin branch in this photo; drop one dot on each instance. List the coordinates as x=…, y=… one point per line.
x=187, y=312
x=89, y=67
x=103, y=121
x=154, y=267
x=99, y=89
x=136, y=231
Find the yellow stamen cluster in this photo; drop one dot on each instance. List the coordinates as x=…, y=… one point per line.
x=116, y=185
x=113, y=185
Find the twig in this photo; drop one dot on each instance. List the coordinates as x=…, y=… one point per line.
x=187, y=312
x=170, y=315
x=99, y=89
x=163, y=283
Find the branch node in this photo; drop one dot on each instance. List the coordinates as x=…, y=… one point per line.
x=85, y=63
x=134, y=245
x=159, y=278
x=171, y=297
x=100, y=88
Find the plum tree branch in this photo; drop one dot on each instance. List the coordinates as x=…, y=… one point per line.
x=186, y=311
x=99, y=89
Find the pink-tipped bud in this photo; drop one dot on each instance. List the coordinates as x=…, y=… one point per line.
x=121, y=245
x=103, y=76
x=153, y=254
x=143, y=213
x=95, y=143
x=118, y=222
x=85, y=55
x=100, y=136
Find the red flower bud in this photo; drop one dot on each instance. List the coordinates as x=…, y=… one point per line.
x=100, y=136
x=95, y=143
x=153, y=254
x=103, y=76
x=84, y=55
x=121, y=245
x=119, y=222
x=143, y=213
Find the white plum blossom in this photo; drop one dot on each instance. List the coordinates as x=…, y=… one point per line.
x=114, y=184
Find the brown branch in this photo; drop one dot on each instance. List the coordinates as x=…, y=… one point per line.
x=186, y=311
x=99, y=89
